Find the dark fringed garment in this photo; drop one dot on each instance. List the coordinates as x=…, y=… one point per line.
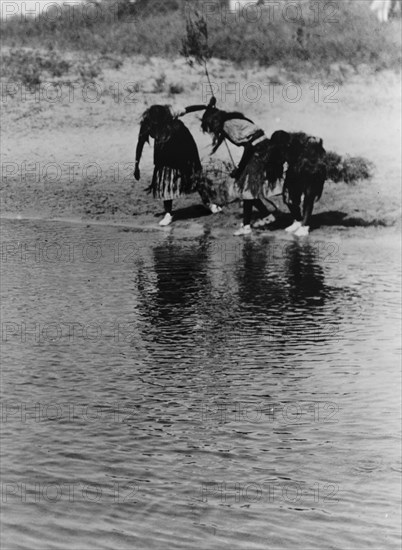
x=305, y=157
x=177, y=163
x=307, y=169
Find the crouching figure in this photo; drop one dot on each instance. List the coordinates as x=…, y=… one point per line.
x=305, y=175
x=177, y=165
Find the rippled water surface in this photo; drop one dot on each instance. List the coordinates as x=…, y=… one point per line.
x=193, y=391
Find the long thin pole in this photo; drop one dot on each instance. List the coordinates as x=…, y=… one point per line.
x=210, y=86
x=264, y=200
x=226, y=143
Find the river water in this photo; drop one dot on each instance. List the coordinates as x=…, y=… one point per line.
x=183, y=389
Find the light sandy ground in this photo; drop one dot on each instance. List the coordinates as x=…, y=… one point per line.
x=78, y=150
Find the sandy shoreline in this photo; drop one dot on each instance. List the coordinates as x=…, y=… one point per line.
x=73, y=160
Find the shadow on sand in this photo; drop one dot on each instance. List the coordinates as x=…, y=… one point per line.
x=189, y=212
x=329, y=219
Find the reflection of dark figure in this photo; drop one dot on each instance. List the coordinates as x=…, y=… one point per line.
x=281, y=287
x=305, y=276
x=177, y=165
x=278, y=279
x=255, y=285
x=180, y=288
x=306, y=174
x=182, y=329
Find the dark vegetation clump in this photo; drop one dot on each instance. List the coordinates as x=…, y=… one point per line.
x=347, y=169
x=214, y=179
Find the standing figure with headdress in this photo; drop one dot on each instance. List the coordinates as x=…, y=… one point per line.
x=177, y=165
x=250, y=175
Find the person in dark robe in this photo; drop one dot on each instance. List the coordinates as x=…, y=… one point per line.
x=177, y=165
x=305, y=174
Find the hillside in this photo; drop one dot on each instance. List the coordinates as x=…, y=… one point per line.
x=305, y=41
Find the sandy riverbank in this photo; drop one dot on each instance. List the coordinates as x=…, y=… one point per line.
x=71, y=157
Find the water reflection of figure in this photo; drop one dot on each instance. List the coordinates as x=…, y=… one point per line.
x=177, y=303
x=180, y=288
x=305, y=276
x=283, y=287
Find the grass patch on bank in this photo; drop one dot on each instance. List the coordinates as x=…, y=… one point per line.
x=32, y=67
x=308, y=44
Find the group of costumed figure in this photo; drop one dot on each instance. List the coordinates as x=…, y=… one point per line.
x=295, y=160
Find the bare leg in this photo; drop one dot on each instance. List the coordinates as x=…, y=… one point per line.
x=247, y=211
x=294, y=208
x=292, y=199
x=262, y=209
x=245, y=228
x=308, y=205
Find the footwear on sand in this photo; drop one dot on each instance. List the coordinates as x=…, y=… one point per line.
x=167, y=220
x=243, y=230
x=215, y=209
x=294, y=227
x=303, y=231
